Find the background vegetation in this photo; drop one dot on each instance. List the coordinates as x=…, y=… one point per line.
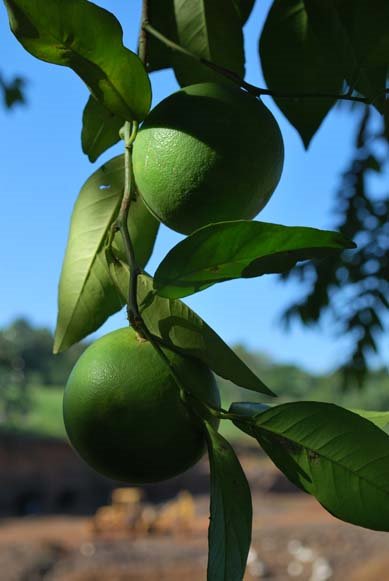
x=32, y=380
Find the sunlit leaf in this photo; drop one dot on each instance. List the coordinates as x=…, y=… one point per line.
x=211, y=29
x=380, y=419
x=88, y=39
x=87, y=295
x=231, y=512
x=241, y=249
x=177, y=326
x=162, y=17
x=100, y=129
x=337, y=456
x=295, y=61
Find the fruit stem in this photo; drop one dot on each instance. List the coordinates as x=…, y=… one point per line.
x=129, y=132
x=253, y=89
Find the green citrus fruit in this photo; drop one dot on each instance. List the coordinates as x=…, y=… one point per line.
x=207, y=153
x=123, y=412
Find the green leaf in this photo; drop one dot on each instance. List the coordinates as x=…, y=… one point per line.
x=211, y=29
x=244, y=8
x=88, y=39
x=359, y=36
x=380, y=419
x=240, y=249
x=295, y=61
x=337, y=456
x=177, y=326
x=231, y=512
x=162, y=17
x=100, y=129
x=87, y=296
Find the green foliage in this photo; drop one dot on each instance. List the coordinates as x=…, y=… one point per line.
x=380, y=419
x=13, y=91
x=354, y=287
x=309, y=50
x=231, y=512
x=295, y=61
x=100, y=129
x=43, y=416
x=26, y=358
x=179, y=327
x=195, y=21
x=229, y=250
x=161, y=15
x=26, y=351
x=40, y=411
x=358, y=35
x=88, y=39
x=331, y=453
x=202, y=28
x=87, y=296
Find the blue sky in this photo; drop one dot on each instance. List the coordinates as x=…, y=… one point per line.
x=43, y=169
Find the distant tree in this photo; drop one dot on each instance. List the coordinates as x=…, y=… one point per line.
x=355, y=286
x=29, y=348
x=13, y=91
x=25, y=359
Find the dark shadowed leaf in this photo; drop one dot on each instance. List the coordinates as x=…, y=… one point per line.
x=88, y=39
x=179, y=327
x=295, y=61
x=244, y=8
x=161, y=17
x=244, y=248
x=100, y=129
x=337, y=456
x=211, y=29
x=231, y=512
x=87, y=295
x=359, y=35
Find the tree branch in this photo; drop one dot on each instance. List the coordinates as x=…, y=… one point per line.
x=254, y=90
x=142, y=42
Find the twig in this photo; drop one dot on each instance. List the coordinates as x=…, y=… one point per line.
x=254, y=90
x=142, y=42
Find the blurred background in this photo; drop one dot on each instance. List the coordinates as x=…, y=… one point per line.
x=319, y=333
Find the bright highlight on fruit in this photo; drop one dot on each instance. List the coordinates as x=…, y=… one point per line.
x=123, y=412
x=207, y=153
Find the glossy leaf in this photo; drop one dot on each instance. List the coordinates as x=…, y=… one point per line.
x=88, y=39
x=295, y=61
x=337, y=456
x=211, y=29
x=359, y=36
x=100, y=129
x=380, y=419
x=87, y=296
x=231, y=512
x=177, y=326
x=162, y=17
x=241, y=249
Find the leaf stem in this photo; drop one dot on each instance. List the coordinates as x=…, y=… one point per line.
x=129, y=132
x=254, y=90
